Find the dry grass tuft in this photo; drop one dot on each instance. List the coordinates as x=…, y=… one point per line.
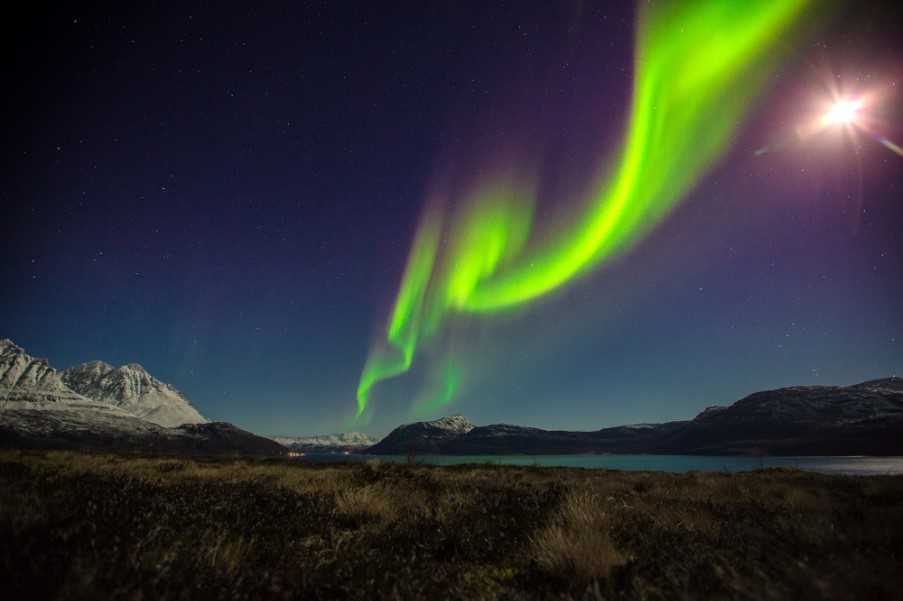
x=578, y=541
x=453, y=501
x=370, y=502
x=226, y=553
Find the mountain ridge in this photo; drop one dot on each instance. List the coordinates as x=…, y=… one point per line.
x=39, y=410
x=864, y=418
x=327, y=443
x=132, y=388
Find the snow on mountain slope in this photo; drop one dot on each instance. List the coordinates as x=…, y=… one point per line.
x=39, y=410
x=29, y=385
x=132, y=389
x=22, y=375
x=26, y=381
x=893, y=383
x=423, y=437
x=343, y=440
x=451, y=423
x=823, y=405
x=114, y=430
x=35, y=398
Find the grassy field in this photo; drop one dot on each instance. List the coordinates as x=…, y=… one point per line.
x=85, y=526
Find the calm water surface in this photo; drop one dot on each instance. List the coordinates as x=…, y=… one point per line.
x=860, y=466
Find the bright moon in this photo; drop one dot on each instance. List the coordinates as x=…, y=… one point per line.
x=843, y=112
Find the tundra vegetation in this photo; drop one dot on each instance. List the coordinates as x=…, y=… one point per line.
x=88, y=526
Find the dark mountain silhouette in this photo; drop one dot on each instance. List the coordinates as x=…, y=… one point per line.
x=864, y=419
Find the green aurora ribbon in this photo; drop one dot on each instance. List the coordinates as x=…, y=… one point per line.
x=699, y=65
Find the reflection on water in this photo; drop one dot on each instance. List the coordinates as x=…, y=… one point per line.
x=860, y=466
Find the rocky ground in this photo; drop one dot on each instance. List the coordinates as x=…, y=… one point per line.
x=88, y=526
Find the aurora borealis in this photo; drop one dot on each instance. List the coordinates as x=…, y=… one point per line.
x=691, y=91
x=322, y=217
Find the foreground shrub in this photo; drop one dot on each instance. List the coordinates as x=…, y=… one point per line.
x=578, y=540
x=371, y=501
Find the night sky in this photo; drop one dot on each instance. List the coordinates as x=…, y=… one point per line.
x=228, y=196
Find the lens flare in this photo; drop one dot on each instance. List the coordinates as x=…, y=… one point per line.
x=895, y=148
x=843, y=112
x=698, y=68
x=855, y=117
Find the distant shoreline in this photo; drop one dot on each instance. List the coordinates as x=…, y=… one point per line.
x=859, y=465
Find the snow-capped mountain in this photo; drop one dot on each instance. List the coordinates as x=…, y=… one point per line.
x=344, y=441
x=35, y=401
x=29, y=383
x=424, y=437
x=457, y=424
x=131, y=388
x=38, y=409
x=23, y=378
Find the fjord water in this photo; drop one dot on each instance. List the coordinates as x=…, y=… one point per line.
x=859, y=466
